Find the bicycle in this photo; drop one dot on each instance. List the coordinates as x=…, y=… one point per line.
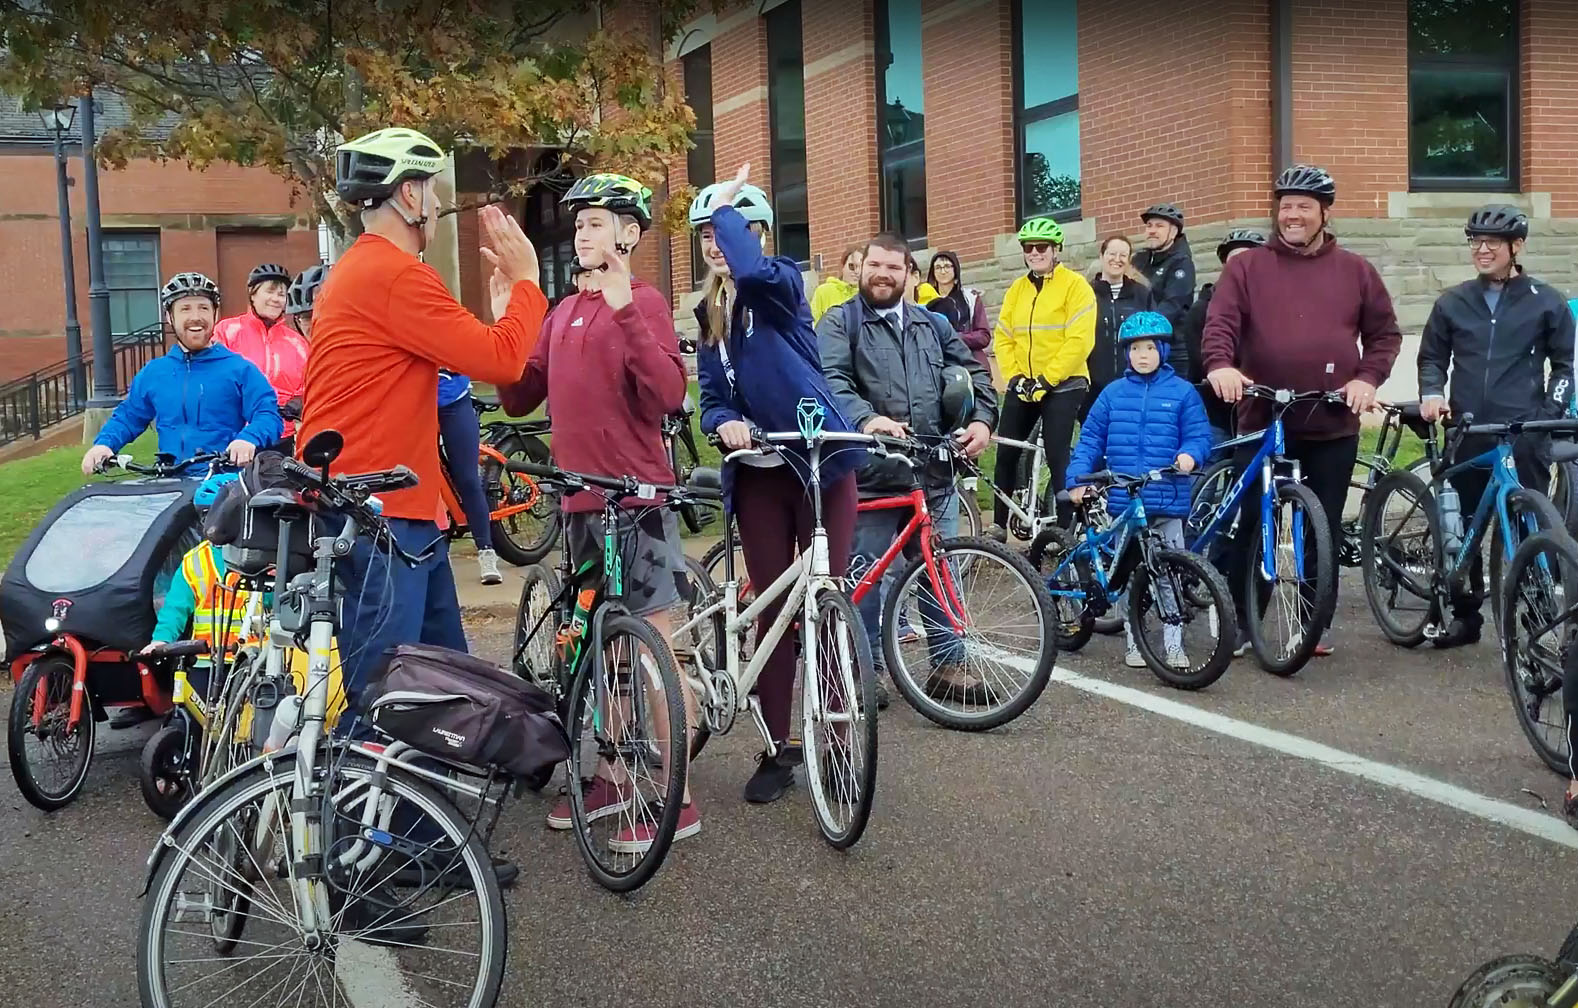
x=587, y=660
x=341, y=827
x=1014, y=668
x=1031, y=508
x=1420, y=559
x=1090, y=574
x=1528, y=980
x=523, y=519
x=679, y=441
x=1539, y=602
x=1292, y=524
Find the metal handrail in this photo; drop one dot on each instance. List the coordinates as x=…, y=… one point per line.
x=38, y=401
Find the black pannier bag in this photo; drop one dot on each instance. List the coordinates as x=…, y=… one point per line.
x=100, y=562
x=250, y=535
x=456, y=706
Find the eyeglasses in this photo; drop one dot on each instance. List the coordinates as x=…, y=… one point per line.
x=1037, y=246
x=1486, y=243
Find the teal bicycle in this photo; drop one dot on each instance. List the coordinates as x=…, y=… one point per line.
x=1415, y=552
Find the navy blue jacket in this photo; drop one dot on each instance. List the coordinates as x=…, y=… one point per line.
x=1140, y=423
x=198, y=402
x=773, y=360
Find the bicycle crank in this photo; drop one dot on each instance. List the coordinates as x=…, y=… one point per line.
x=1515, y=981
x=719, y=716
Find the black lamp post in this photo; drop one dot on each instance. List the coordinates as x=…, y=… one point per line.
x=58, y=119
x=104, y=395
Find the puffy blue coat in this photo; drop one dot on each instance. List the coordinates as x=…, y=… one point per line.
x=1140, y=423
x=198, y=402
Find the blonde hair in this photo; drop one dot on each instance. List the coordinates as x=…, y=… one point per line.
x=717, y=315
x=1129, y=271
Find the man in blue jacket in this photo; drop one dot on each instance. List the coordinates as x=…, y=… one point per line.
x=200, y=398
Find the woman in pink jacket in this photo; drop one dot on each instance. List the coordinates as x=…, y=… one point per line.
x=265, y=337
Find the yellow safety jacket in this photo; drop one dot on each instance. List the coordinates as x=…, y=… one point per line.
x=1047, y=329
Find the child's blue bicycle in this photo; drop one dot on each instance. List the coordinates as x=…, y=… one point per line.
x=1177, y=591
x=1290, y=575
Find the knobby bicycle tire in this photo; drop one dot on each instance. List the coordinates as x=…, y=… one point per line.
x=1521, y=501
x=1519, y=660
x=1378, y=567
x=1200, y=570
x=1046, y=553
x=516, y=548
x=60, y=669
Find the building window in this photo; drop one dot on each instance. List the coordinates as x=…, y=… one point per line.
x=131, y=272
x=1046, y=107
x=701, y=163
x=901, y=119
x=1462, y=93
x=552, y=231
x=786, y=117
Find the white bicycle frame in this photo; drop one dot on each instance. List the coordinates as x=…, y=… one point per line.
x=1032, y=518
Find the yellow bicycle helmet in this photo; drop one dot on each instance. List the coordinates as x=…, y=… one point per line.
x=367, y=170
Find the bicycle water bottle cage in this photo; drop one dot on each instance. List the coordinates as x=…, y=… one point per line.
x=810, y=415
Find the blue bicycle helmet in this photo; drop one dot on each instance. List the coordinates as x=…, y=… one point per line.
x=208, y=491
x=1145, y=325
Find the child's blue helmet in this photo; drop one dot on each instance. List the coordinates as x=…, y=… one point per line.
x=208, y=491
x=1145, y=325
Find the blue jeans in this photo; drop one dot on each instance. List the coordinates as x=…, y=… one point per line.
x=388, y=604
x=461, y=437
x=874, y=533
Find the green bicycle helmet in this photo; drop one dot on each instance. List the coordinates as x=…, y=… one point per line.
x=1038, y=229
x=367, y=170
x=620, y=194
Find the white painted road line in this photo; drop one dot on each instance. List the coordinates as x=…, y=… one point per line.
x=1536, y=824
x=370, y=977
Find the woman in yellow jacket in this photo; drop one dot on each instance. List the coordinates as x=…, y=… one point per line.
x=1044, y=335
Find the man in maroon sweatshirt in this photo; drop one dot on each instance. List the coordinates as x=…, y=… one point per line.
x=1300, y=313
x=608, y=365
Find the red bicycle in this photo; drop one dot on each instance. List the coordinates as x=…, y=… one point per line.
x=969, y=634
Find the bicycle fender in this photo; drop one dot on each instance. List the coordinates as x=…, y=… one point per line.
x=166, y=839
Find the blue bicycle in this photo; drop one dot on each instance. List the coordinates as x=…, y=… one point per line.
x=1291, y=572
x=1170, y=590
x=1415, y=556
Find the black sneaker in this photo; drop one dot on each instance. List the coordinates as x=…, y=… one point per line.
x=130, y=717
x=1460, y=632
x=882, y=692
x=774, y=775
x=381, y=919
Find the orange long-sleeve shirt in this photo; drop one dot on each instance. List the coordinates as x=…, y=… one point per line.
x=382, y=326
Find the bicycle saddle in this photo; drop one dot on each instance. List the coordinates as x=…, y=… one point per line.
x=1564, y=451
x=484, y=404
x=705, y=478
x=278, y=502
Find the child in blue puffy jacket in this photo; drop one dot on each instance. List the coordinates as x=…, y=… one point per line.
x=1150, y=418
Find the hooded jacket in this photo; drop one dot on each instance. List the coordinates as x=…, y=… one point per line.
x=1306, y=322
x=1047, y=326
x=1498, y=358
x=198, y=401
x=1171, y=273
x=609, y=378
x=1144, y=422
x=1107, y=360
x=278, y=350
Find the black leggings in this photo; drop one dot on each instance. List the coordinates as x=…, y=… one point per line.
x=1056, y=411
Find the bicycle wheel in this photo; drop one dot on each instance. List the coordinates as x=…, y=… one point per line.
x=1564, y=496
x=49, y=760
x=1048, y=554
x=426, y=895
x=987, y=640
x=1190, y=600
x=1304, y=590
x=536, y=659
x=1510, y=980
x=683, y=460
x=627, y=726
x=527, y=536
x=1206, y=497
x=1536, y=636
x=1528, y=511
x=1399, y=554
x=839, y=710
x=970, y=521
x=706, y=642
x=164, y=772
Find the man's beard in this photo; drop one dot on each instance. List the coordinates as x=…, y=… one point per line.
x=892, y=299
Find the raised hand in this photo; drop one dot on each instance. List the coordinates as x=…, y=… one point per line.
x=732, y=190
x=506, y=247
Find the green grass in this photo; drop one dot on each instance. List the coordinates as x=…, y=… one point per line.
x=29, y=487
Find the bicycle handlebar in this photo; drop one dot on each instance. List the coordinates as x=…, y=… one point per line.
x=178, y=649
x=1104, y=478
x=158, y=468
x=1287, y=397
x=614, y=486
x=349, y=495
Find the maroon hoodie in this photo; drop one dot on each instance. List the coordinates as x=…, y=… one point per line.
x=609, y=378
x=1301, y=322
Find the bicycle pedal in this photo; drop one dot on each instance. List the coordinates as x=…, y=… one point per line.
x=1433, y=630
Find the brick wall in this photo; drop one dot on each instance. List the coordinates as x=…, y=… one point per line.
x=739, y=101
x=1188, y=123
x=1350, y=98
x=967, y=69
x=1549, y=80
x=841, y=124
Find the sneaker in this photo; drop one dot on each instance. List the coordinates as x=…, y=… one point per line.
x=637, y=837
x=130, y=717
x=368, y=921
x=1177, y=659
x=774, y=775
x=882, y=694
x=908, y=634
x=950, y=681
x=1459, y=632
x=602, y=798
x=488, y=563
x=1132, y=658
x=1242, y=649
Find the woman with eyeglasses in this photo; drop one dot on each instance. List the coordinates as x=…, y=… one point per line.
x=1044, y=337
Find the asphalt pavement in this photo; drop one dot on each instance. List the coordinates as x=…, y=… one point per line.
x=1358, y=835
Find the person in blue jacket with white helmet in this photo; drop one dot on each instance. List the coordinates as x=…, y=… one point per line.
x=1151, y=418
x=201, y=398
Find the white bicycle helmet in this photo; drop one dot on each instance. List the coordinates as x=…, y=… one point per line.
x=752, y=204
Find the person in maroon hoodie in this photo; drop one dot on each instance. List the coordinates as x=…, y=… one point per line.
x=609, y=367
x=1300, y=313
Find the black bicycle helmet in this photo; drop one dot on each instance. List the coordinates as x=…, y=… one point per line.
x=267, y=272
x=1306, y=180
x=186, y=285
x=1239, y=238
x=1165, y=211
x=1497, y=221
x=304, y=290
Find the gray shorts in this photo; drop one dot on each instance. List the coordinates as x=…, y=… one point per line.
x=653, y=560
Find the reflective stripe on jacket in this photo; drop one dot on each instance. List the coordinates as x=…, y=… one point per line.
x=221, y=605
x=1047, y=327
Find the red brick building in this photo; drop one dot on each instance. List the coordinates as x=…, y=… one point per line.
x=158, y=219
